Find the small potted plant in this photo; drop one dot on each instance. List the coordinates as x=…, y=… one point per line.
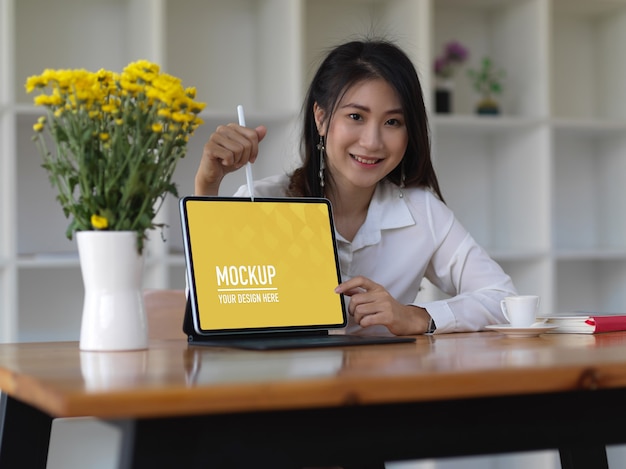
x=488, y=83
x=454, y=54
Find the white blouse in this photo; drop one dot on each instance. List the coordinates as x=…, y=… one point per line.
x=405, y=239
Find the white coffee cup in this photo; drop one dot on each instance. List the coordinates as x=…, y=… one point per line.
x=521, y=311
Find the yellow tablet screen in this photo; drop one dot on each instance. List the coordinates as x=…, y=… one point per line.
x=267, y=263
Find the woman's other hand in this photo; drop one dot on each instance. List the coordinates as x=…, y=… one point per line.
x=372, y=304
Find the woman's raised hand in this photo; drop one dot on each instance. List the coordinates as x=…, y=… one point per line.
x=229, y=148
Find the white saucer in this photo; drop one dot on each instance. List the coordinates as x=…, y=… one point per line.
x=511, y=331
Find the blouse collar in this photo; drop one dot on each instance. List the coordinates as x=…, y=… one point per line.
x=387, y=210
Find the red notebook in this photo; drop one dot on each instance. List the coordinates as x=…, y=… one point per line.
x=582, y=322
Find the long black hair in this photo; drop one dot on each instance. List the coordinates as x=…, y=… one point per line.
x=343, y=67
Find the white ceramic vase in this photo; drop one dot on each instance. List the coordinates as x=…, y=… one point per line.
x=114, y=316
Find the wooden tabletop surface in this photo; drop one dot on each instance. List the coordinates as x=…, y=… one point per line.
x=172, y=378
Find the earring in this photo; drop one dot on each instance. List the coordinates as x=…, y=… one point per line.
x=402, y=179
x=322, y=149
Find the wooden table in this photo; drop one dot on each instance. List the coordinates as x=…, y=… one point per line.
x=448, y=395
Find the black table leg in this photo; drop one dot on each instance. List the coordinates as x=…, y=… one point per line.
x=24, y=435
x=153, y=444
x=584, y=457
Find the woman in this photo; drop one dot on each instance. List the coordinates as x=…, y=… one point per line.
x=366, y=148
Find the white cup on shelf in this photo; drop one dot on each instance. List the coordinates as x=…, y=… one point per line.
x=520, y=311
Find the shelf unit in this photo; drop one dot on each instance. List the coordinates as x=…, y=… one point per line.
x=542, y=186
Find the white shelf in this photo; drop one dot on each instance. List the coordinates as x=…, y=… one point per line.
x=591, y=254
x=237, y=51
x=589, y=190
x=483, y=125
x=588, y=74
x=542, y=186
x=589, y=127
x=48, y=260
x=498, y=30
x=590, y=284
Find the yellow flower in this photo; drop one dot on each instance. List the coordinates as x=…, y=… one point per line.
x=44, y=100
x=164, y=112
x=130, y=86
x=113, y=132
x=180, y=117
x=110, y=108
x=99, y=223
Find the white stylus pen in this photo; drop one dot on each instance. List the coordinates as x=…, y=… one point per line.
x=249, y=180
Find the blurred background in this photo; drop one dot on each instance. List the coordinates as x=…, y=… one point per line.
x=537, y=176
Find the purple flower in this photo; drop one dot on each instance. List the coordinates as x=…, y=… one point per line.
x=441, y=64
x=454, y=54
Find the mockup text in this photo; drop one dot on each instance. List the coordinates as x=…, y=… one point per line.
x=245, y=275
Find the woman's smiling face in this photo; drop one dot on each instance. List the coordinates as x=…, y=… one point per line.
x=367, y=136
